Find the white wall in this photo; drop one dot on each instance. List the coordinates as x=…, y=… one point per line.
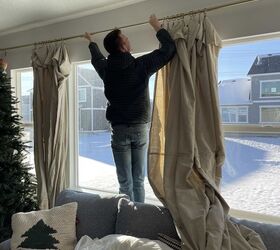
x=244, y=20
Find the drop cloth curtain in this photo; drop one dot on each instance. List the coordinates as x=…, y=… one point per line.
x=51, y=66
x=186, y=150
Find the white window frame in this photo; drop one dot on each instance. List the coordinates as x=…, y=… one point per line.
x=237, y=110
x=266, y=81
x=260, y=112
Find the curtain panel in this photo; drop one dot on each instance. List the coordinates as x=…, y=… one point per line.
x=186, y=150
x=51, y=67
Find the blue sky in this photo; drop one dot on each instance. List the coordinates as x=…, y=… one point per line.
x=236, y=60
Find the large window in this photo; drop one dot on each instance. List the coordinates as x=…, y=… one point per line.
x=252, y=166
x=270, y=114
x=96, y=167
x=270, y=88
x=235, y=114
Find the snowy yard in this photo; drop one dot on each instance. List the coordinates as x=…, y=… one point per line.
x=250, y=177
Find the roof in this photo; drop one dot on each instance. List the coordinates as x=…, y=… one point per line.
x=88, y=77
x=235, y=91
x=265, y=64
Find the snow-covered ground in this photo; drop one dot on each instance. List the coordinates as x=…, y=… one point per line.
x=250, y=177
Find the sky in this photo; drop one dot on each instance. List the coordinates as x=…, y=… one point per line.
x=235, y=61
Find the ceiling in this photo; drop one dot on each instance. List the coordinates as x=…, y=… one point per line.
x=19, y=15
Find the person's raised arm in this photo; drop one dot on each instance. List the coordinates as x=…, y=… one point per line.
x=159, y=57
x=97, y=59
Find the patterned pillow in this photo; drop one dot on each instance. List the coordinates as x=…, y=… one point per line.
x=46, y=229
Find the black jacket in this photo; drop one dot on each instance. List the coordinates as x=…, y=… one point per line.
x=126, y=80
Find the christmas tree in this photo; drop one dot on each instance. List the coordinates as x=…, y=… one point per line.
x=39, y=237
x=17, y=184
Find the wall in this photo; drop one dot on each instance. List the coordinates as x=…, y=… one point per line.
x=233, y=22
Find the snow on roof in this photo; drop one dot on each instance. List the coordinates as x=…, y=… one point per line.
x=264, y=64
x=235, y=92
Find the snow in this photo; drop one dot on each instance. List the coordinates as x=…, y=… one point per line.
x=235, y=92
x=251, y=171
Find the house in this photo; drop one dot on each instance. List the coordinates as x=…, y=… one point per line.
x=91, y=101
x=254, y=100
x=265, y=78
x=235, y=100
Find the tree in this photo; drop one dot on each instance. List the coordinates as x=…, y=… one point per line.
x=39, y=237
x=17, y=184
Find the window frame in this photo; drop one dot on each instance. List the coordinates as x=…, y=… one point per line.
x=262, y=82
x=260, y=112
x=237, y=114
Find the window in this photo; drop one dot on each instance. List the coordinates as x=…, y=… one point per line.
x=82, y=94
x=23, y=81
x=251, y=168
x=234, y=114
x=270, y=88
x=270, y=114
x=96, y=167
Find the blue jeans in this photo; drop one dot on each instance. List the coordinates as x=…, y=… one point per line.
x=129, y=146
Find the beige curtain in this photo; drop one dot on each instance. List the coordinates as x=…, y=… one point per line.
x=186, y=150
x=51, y=66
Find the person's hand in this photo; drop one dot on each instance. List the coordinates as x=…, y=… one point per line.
x=87, y=36
x=155, y=22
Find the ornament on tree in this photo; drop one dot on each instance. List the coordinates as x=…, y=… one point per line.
x=3, y=65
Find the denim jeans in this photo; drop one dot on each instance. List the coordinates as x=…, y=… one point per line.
x=129, y=146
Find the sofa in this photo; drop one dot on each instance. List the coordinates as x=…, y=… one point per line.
x=98, y=216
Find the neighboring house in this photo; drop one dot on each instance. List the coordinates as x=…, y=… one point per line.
x=235, y=100
x=91, y=101
x=26, y=107
x=255, y=100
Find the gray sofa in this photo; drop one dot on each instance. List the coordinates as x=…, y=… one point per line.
x=100, y=216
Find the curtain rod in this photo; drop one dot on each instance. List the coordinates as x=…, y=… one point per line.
x=193, y=12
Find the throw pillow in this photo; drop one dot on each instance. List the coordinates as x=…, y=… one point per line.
x=92, y=209
x=144, y=220
x=46, y=229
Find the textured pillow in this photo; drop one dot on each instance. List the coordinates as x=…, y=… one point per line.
x=96, y=215
x=144, y=220
x=46, y=229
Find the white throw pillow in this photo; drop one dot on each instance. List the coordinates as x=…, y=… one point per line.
x=120, y=242
x=45, y=229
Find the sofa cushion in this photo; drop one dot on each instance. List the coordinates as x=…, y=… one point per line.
x=5, y=245
x=45, y=229
x=144, y=220
x=96, y=215
x=269, y=233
